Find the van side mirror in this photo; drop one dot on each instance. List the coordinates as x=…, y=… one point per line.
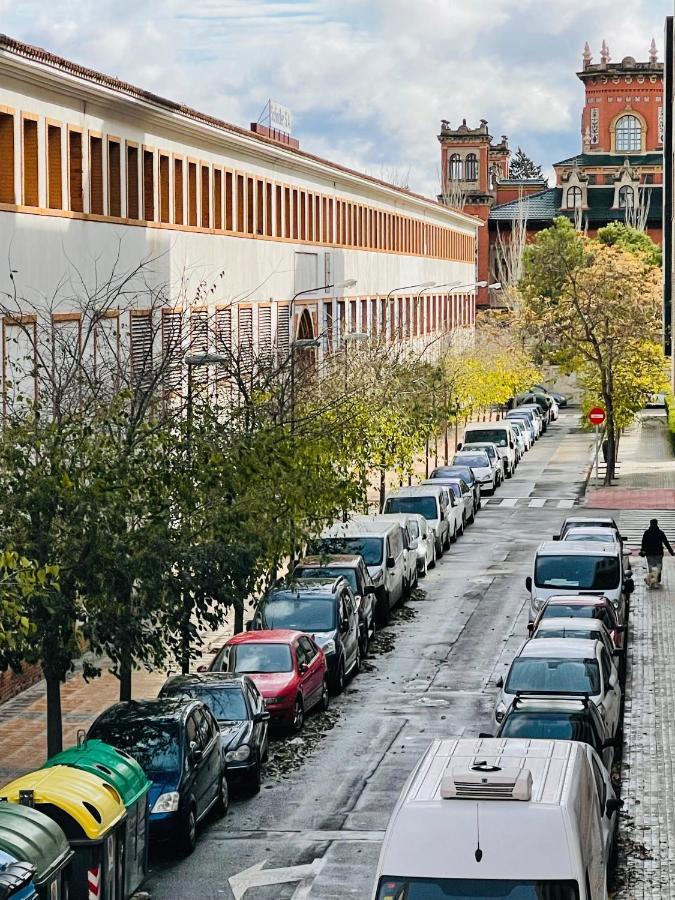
x=530, y=627
x=556, y=537
x=499, y=682
x=369, y=589
x=613, y=805
x=391, y=562
x=195, y=753
x=459, y=446
x=528, y=583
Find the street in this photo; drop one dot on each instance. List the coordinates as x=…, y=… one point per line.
x=316, y=833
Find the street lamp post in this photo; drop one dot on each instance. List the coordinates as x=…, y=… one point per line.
x=424, y=285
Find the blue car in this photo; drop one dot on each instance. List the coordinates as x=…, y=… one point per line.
x=178, y=744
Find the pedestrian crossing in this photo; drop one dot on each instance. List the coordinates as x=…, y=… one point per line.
x=529, y=502
x=633, y=522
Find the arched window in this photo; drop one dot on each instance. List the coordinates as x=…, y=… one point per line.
x=628, y=132
x=573, y=197
x=471, y=167
x=626, y=197
x=456, y=167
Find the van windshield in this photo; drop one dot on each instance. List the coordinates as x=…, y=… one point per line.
x=496, y=436
x=301, y=614
x=370, y=548
x=553, y=675
x=423, y=506
x=588, y=573
x=474, y=889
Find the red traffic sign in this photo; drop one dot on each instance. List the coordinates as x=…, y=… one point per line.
x=597, y=415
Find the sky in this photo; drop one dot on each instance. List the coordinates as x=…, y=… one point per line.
x=367, y=81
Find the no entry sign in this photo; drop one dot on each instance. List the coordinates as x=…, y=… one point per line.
x=597, y=415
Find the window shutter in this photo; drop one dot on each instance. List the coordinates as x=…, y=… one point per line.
x=205, y=197
x=164, y=211
x=172, y=349
x=107, y=347
x=31, y=195
x=141, y=345
x=132, y=183
x=199, y=343
x=7, y=194
x=96, y=175
x=114, y=179
x=192, y=194
x=265, y=333
x=328, y=309
x=178, y=191
x=148, y=185
x=224, y=330
x=283, y=330
x=246, y=340
x=54, y=187
x=75, y=170
x=228, y=201
x=218, y=199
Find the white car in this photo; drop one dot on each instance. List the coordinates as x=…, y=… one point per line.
x=463, y=496
x=522, y=436
x=493, y=455
x=426, y=545
x=479, y=461
x=564, y=667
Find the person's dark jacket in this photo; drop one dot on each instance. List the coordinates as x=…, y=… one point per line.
x=653, y=542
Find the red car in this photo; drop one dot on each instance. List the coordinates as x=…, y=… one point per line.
x=288, y=669
x=584, y=606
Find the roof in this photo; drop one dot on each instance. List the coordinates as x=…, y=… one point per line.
x=159, y=709
x=577, y=548
x=269, y=636
x=318, y=585
x=44, y=57
x=615, y=160
x=358, y=526
x=559, y=648
x=524, y=704
x=591, y=518
x=225, y=680
x=542, y=206
x=578, y=600
x=545, y=206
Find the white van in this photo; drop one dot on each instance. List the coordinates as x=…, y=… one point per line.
x=436, y=504
x=578, y=567
x=501, y=817
x=499, y=433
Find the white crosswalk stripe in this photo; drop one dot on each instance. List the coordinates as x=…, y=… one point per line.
x=566, y=504
x=633, y=522
x=530, y=502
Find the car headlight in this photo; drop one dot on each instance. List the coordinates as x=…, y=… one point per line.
x=537, y=602
x=239, y=755
x=500, y=712
x=166, y=802
x=486, y=480
x=328, y=647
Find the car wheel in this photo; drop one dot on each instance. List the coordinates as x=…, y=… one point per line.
x=425, y=567
x=325, y=696
x=472, y=518
x=254, y=780
x=448, y=540
x=357, y=662
x=383, y=610
x=432, y=564
x=439, y=548
x=364, y=640
x=298, y=715
x=188, y=833
x=223, y=800
x=339, y=680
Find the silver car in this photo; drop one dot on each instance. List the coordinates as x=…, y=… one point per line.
x=426, y=545
x=479, y=461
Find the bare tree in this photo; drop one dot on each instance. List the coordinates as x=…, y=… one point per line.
x=508, y=256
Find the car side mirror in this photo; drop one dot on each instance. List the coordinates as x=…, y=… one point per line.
x=485, y=734
x=391, y=562
x=369, y=589
x=499, y=682
x=556, y=537
x=511, y=445
x=621, y=629
x=261, y=717
x=530, y=627
x=302, y=668
x=344, y=626
x=622, y=537
x=195, y=753
x=459, y=446
x=528, y=583
x=617, y=651
x=613, y=805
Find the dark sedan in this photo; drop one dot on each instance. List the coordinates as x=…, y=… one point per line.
x=177, y=742
x=239, y=710
x=464, y=472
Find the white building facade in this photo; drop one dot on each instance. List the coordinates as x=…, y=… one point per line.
x=96, y=176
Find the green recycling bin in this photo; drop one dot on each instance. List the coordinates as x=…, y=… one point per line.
x=32, y=837
x=123, y=772
x=91, y=813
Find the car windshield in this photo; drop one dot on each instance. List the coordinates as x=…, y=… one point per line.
x=454, y=472
x=583, y=633
x=300, y=613
x=588, y=573
x=328, y=572
x=423, y=506
x=550, y=726
x=490, y=451
x=154, y=745
x=226, y=703
x=585, y=523
x=542, y=674
x=370, y=548
x=474, y=460
x=395, y=888
x=578, y=611
x=575, y=535
x=252, y=659
x=496, y=436
x=456, y=490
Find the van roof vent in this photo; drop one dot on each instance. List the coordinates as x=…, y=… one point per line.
x=485, y=782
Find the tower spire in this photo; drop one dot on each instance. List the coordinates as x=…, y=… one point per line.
x=604, y=53
x=653, y=53
x=587, y=55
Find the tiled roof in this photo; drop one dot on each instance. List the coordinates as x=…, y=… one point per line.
x=538, y=207
x=545, y=206
x=613, y=159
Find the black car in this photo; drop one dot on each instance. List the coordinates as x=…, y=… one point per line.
x=239, y=710
x=178, y=744
x=465, y=472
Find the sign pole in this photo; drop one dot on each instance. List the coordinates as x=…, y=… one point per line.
x=597, y=454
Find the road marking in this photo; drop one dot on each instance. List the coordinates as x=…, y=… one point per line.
x=509, y=502
x=257, y=876
x=566, y=504
x=537, y=503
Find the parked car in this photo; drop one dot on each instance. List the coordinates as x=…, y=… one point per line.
x=461, y=492
x=561, y=718
x=585, y=606
x=353, y=568
x=380, y=543
x=434, y=504
x=543, y=401
x=586, y=629
x=526, y=819
x=560, y=399
x=178, y=744
x=529, y=421
x=599, y=535
x=522, y=436
x=466, y=474
x=239, y=709
x=592, y=521
x=426, y=544
x=493, y=453
x=538, y=412
x=483, y=468
x=499, y=433
x=410, y=547
x=324, y=608
x=288, y=668
x=567, y=668
x=578, y=567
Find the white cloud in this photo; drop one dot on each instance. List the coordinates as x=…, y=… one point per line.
x=368, y=80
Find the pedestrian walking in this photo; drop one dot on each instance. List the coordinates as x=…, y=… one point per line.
x=653, y=542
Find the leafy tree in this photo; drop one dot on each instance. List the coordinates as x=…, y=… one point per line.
x=618, y=234
x=521, y=166
x=22, y=582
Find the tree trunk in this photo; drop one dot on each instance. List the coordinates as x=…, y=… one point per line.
x=54, y=721
x=125, y=678
x=382, y=487
x=426, y=459
x=611, y=443
x=238, y=616
x=446, y=449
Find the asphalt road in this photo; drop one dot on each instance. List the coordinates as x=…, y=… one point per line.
x=315, y=832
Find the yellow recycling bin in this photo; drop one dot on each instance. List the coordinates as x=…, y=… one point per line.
x=92, y=816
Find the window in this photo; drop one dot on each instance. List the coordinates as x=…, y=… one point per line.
x=164, y=201
x=250, y=209
x=206, y=221
x=31, y=194
x=114, y=179
x=228, y=201
x=7, y=194
x=240, y=203
x=178, y=191
x=260, y=212
x=265, y=333
x=75, y=170
x=626, y=197
x=283, y=329
x=96, y=175
x=141, y=344
x=148, y=185
x=574, y=198
x=54, y=187
x=218, y=199
x=278, y=231
x=471, y=167
x=246, y=339
x=455, y=168
x=172, y=350
x=268, y=209
x=132, y=183
x=224, y=330
x=192, y=194
x=628, y=134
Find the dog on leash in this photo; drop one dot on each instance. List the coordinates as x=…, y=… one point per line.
x=652, y=578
